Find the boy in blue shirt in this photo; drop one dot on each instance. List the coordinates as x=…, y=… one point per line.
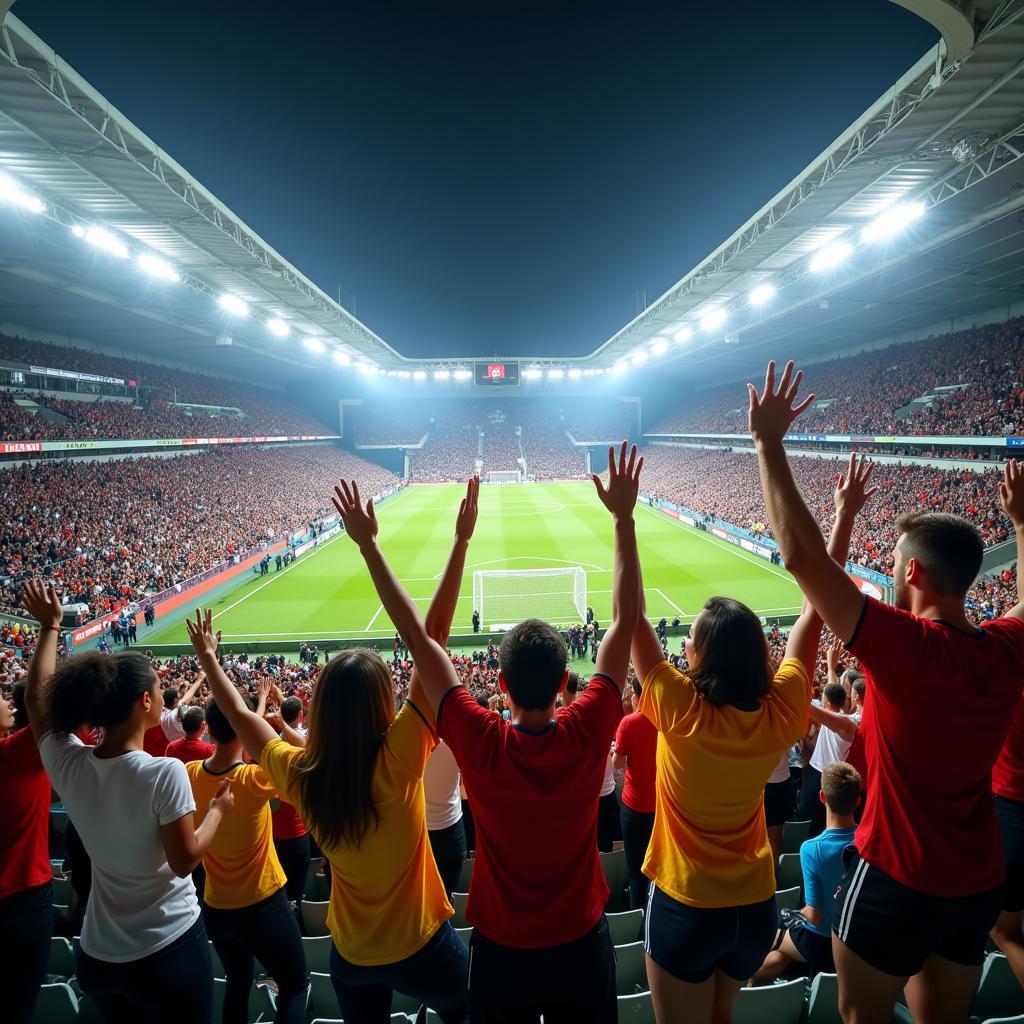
x=806, y=937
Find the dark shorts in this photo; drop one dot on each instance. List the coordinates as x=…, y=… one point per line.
x=1011, y=828
x=779, y=802
x=815, y=948
x=691, y=943
x=895, y=929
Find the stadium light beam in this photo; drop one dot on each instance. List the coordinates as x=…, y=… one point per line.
x=462, y=374
x=892, y=221
x=12, y=192
x=314, y=345
x=714, y=319
x=341, y=358
x=684, y=334
x=532, y=373
x=620, y=366
x=419, y=374
x=233, y=304
x=441, y=374
x=155, y=266
x=103, y=239
x=555, y=374
x=659, y=346
x=639, y=358
x=278, y=327
x=761, y=294
x=830, y=257
x=575, y=373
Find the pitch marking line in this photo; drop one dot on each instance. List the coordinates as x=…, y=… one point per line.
x=369, y=625
x=665, y=597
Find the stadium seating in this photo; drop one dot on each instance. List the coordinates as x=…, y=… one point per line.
x=781, y=1003
x=999, y=993
x=823, y=1002
x=788, y=899
x=314, y=918
x=318, y=952
x=630, y=969
x=262, y=1006
x=61, y=960
x=636, y=1008
x=625, y=927
x=617, y=876
x=459, y=900
x=57, y=1004
x=789, y=874
x=793, y=834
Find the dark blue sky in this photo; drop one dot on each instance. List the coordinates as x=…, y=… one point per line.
x=489, y=178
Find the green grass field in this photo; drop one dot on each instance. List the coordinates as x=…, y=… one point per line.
x=327, y=593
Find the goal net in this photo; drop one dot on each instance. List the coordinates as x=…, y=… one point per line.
x=504, y=476
x=505, y=597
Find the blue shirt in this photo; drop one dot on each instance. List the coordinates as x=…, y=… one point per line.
x=821, y=859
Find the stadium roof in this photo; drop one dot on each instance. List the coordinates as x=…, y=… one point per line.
x=948, y=137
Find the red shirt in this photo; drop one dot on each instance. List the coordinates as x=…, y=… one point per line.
x=189, y=750
x=25, y=820
x=537, y=878
x=637, y=741
x=1008, y=771
x=938, y=708
x=155, y=741
x=287, y=823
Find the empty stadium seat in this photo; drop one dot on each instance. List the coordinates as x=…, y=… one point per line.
x=772, y=1004
x=314, y=917
x=459, y=900
x=61, y=960
x=218, y=967
x=62, y=891
x=630, y=969
x=322, y=1000
x=401, y=1003
x=1005, y=1020
x=788, y=873
x=999, y=993
x=465, y=875
x=637, y=1008
x=617, y=876
x=823, y=1003
x=464, y=933
x=318, y=953
x=793, y=834
x=317, y=888
x=625, y=927
x=789, y=899
x=57, y=1004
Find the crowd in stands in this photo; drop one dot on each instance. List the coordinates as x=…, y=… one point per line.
x=109, y=533
x=861, y=394
x=724, y=485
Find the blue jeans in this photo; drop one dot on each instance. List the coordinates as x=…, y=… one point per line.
x=437, y=975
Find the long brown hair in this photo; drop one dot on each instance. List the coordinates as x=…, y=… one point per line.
x=730, y=655
x=352, y=709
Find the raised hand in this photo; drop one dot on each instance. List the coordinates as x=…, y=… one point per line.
x=832, y=656
x=204, y=639
x=1011, y=493
x=619, y=497
x=360, y=524
x=852, y=492
x=772, y=412
x=465, y=522
x=224, y=799
x=41, y=602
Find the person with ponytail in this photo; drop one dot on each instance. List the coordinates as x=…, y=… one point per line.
x=143, y=936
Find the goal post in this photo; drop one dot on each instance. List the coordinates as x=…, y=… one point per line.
x=503, y=597
x=504, y=476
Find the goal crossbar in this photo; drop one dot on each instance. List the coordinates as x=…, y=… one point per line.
x=507, y=596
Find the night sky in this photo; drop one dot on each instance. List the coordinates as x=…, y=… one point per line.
x=489, y=178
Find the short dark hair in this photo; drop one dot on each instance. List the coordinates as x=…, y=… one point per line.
x=835, y=693
x=217, y=724
x=171, y=696
x=192, y=720
x=859, y=687
x=637, y=687
x=573, y=684
x=948, y=548
x=291, y=709
x=730, y=662
x=840, y=783
x=94, y=689
x=532, y=660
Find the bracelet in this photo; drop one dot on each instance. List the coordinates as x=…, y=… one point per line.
x=56, y=629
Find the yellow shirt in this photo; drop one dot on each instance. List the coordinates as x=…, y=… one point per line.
x=241, y=865
x=709, y=847
x=387, y=898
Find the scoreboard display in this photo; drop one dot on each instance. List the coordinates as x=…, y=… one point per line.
x=497, y=374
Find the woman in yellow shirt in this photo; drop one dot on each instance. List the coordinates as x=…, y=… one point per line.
x=711, y=914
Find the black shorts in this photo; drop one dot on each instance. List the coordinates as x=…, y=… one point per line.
x=692, y=942
x=1011, y=828
x=814, y=947
x=779, y=802
x=895, y=929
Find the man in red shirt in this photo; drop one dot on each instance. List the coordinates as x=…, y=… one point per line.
x=538, y=892
x=190, y=747
x=925, y=886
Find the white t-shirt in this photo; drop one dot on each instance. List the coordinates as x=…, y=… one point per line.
x=441, y=788
x=170, y=722
x=137, y=904
x=608, y=786
x=781, y=771
x=831, y=747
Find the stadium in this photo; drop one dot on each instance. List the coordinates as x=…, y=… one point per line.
x=183, y=414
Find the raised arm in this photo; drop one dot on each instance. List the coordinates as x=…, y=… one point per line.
x=619, y=497
x=1011, y=497
x=254, y=732
x=844, y=725
x=43, y=605
x=437, y=674
x=645, y=651
x=184, y=845
x=824, y=582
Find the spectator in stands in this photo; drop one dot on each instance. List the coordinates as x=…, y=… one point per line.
x=245, y=905
x=835, y=734
x=711, y=911
x=170, y=726
x=190, y=747
x=636, y=741
x=143, y=936
x=806, y=937
x=925, y=885
x=26, y=892
x=538, y=891
x=444, y=815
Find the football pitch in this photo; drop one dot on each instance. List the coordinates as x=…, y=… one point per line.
x=327, y=593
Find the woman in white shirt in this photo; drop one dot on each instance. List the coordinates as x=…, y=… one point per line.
x=144, y=954
x=445, y=829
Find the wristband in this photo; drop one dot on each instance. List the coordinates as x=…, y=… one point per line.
x=56, y=629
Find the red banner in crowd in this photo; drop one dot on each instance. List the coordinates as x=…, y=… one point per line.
x=20, y=447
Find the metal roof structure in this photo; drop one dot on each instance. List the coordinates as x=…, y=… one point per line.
x=948, y=135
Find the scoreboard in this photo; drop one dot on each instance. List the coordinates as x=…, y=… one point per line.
x=497, y=374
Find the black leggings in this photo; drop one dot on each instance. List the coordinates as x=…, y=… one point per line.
x=26, y=924
x=294, y=857
x=636, y=837
x=607, y=822
x=269, y=932
x=449, y=848
x=172, y=985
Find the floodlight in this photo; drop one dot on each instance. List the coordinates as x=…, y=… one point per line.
x=890, y=222
x=639, y=357
x=155, y=266
x=830, y=256
x=341, y=358
x=659, y=346
x=532, y=373
x=419, y=375
x=575, y=373
x=620, y=366
x=233, y=304
x=404, y=374
x=685, y=333
x=555, y=374
x=103, y=239
x=12, y=192
x=714, y=319
x=761, y=294
x=441, y=375
x=462, y=374
x=278, y=327
x=365, y=367
x=314, y=345
x=78, y=231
